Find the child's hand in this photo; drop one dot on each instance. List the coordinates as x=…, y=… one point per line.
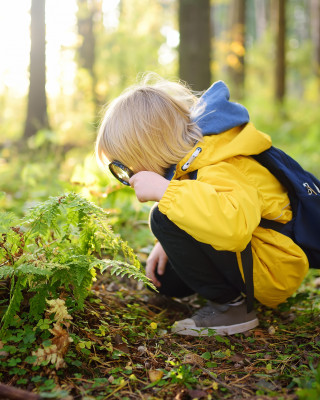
x=148, y=186
x=156, y=261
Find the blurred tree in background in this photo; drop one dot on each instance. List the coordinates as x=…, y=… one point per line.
x=195, y=43
x=37, y=117
x=280, y=30
x=236, y=56
x=89, y=13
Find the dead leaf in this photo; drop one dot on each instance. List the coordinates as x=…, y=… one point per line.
x=155, y=375
x=259, y=333
x=194, y=359
x=120, y=345
x=197, y=394
x=50, y=354
x=61, y=315
x=271, y=330
x=61, y=339
x=237, y=358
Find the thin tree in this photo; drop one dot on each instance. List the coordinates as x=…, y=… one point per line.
x=236, y=57
x=37, y=116
x=195, y=43
x=280, y=61
x=86, y=21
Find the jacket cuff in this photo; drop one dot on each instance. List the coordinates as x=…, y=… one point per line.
x=166, y=201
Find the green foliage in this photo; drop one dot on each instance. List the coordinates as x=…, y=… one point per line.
x=309, y=388
x=58, y=247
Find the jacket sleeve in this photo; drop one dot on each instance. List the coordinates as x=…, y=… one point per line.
x=221, y=208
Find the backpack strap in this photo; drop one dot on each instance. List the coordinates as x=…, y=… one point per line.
x=247, y=267
x=247, y=261
x=271, y=224
x=246, y=255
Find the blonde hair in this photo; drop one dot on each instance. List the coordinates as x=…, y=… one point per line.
x=149, y=126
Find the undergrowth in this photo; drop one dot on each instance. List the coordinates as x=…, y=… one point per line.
x=55, y=251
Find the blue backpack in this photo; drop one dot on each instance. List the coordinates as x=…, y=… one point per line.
x=304, y=228
x=304, y=194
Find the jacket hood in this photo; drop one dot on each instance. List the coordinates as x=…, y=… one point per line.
x=214, y=113
x=238, y=141
x=226, y=129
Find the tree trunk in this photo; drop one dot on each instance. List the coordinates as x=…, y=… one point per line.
x=261, y=19
x=37, y=117
x=85, y=30
x=280, y=62
x=195, y=43
x=87, y=18
x=236, y=60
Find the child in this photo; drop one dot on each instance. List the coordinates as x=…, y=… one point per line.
x=193, y=156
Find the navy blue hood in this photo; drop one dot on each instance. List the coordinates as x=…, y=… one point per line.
x=217, y=113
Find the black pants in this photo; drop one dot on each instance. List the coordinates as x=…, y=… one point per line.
x=195, y=267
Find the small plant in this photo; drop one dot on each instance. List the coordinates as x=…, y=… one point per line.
x=56, y=251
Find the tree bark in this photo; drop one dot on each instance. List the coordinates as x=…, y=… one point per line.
x=37, y=117
x=195, y=43
x=280, y=62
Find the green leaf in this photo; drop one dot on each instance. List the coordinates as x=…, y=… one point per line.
x=206, y=355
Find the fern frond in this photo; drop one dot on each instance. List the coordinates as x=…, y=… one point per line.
x=6, y=272
x=123, y=268
x=30, y=269
x=81, y=291
x=7, y=219
x=79, y=265
x=38, y=302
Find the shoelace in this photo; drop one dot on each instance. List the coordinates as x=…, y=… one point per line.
x=211, y=307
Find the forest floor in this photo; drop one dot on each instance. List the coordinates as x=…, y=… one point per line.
x=120, y=347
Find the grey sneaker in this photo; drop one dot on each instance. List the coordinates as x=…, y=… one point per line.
x=224, y=319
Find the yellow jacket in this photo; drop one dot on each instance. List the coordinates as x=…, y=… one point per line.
x=224, y=205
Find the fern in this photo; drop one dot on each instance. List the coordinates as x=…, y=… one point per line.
x=122, y=268
x=7, y=219
x=14, y=305
x=6, y=272
x=38, y=302
x=59, y=246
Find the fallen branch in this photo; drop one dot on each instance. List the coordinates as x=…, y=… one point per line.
x=13, y=393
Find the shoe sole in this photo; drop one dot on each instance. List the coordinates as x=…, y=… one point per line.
x=218, y=330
